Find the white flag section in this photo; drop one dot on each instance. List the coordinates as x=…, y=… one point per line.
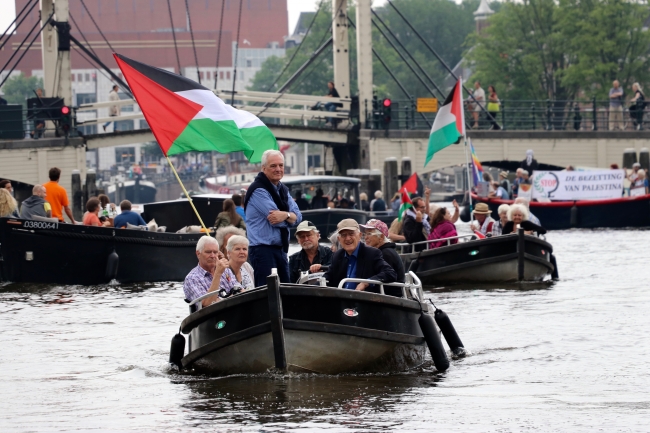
x=578, y=185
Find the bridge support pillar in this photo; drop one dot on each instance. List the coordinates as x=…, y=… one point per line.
x=390, y=177
x=341, y=48
x=364, y=58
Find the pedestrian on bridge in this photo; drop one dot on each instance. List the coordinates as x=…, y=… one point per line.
x=114, y=110
x=331, y=106
x=615, y=106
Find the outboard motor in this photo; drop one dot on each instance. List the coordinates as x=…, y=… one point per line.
x=111, y=266
x=450, y=334
x=432, y=337
x=177, y=350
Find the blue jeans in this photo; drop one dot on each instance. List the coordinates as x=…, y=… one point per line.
x=264, y=257
x=330, y=106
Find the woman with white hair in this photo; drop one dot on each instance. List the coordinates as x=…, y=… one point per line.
x=378, y=204
x=640, y=184
x=518, y=217
x=497, y=227
x=637, y=106
x=236, y=278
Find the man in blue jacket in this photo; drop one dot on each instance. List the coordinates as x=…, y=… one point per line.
x=127, y=216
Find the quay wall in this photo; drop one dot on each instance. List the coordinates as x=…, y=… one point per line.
x=577, y=148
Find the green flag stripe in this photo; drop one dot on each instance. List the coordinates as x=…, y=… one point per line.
x=205, y=135
x=441, y=138
x=259, y=138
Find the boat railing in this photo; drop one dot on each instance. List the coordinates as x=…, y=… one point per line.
x=411, y=283
x=403, y=245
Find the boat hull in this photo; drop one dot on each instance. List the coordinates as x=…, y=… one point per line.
x=491, y=260
x=234, y=336
x=39, y=252
x=613, y=213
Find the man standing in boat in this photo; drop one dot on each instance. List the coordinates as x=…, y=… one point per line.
x=270, y=213
x=311, y=253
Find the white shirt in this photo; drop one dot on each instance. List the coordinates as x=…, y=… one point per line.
x=479, y=94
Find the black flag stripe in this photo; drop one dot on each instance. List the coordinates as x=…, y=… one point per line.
x=169, y=80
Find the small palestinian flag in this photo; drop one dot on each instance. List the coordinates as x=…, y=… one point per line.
x=406, y=204
x=187, y=117
x=449, y=124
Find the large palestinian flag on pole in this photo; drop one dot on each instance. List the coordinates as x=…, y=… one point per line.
x=184, y=116
x=449, y=124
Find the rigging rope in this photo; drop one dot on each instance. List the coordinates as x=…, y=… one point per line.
x=407, y=52
x=234, y=78
x=293, y=56
x=20, y=47
x=96, y=26
x=7, y=33
x=90, y=47
x=189, y=21
x=26, y=49
x=216, y=74
x=171, y=20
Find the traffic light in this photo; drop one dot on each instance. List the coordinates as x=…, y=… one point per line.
x=66, y=119
x=386, y=106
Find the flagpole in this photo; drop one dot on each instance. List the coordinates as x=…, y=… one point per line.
x=469, y=183
x=205, y=229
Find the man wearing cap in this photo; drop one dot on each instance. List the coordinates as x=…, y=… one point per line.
x=311, y=253
x=270, y=213
x=483, y=221
x=375, y=234
x=356, y=260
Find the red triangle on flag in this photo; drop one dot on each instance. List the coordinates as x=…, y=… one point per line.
x=457, y=107
x=411, y=185
x=166, y=112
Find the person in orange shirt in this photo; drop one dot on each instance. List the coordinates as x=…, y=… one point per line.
x=91, y=218
x=57, y=196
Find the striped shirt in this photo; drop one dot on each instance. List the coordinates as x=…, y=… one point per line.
x=197, y=283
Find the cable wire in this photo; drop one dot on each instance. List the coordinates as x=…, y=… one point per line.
x=216, y=74
x=90, y=47
x=7, y=33
x=21, y=45
x=234, y=78
x=171, y=20
x=293, y=56
x=26, y=49
x=96, y=26
x=196, y=58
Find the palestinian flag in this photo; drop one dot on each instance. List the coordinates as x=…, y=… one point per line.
x=414, y=185
x=449, y=124
x=187, y=117
x=406, y=203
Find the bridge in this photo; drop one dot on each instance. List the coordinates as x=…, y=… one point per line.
x=359, y=141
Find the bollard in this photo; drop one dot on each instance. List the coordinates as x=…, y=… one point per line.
x=629, y=157
x=77, y=196
x=406, y=169
x=390, y=177
x=521, y=254
x=276, y=316
x=90, y=188
x=644, y=158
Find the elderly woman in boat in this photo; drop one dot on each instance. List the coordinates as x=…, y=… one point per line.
x=518, y=217
x=497, y=227
x=442, y=228
x=236, y=277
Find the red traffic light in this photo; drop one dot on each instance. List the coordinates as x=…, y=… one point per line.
x=65, y=110
x=387, y=102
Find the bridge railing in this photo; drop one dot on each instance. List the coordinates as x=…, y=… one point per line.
x=549, y=115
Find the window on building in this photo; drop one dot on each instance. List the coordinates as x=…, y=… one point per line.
x=249, y=63
x=79, y=78
x=86, y=98
x=87, y=77
x=221, y=75
x=228, y=75
x=127, y=108
x=124, y=125
x=124, y=154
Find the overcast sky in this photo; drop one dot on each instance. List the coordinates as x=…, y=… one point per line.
x=8, y=11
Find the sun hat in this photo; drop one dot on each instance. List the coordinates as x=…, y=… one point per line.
x=375, y=224
x=482, y=209
x=347, y=224
x=503, y=174
x=306, y=226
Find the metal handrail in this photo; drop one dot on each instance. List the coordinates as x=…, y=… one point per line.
x=414, y=283
x=402, y=245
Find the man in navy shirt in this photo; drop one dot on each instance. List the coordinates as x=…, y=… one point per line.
x=128, y=216
x=270, y=213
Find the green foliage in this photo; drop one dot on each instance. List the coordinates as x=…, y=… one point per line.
x=566, y=49
x=443, y=23
x=18, y=88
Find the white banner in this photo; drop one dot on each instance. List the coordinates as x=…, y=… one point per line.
x=578, y=185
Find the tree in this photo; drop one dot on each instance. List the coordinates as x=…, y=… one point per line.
x=18, y=88
x=562, y=50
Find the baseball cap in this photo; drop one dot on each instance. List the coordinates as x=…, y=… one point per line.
x=375, y=224
x=306, y=226
x=347, y=224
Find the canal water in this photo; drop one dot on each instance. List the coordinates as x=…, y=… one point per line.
x=565, y=356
